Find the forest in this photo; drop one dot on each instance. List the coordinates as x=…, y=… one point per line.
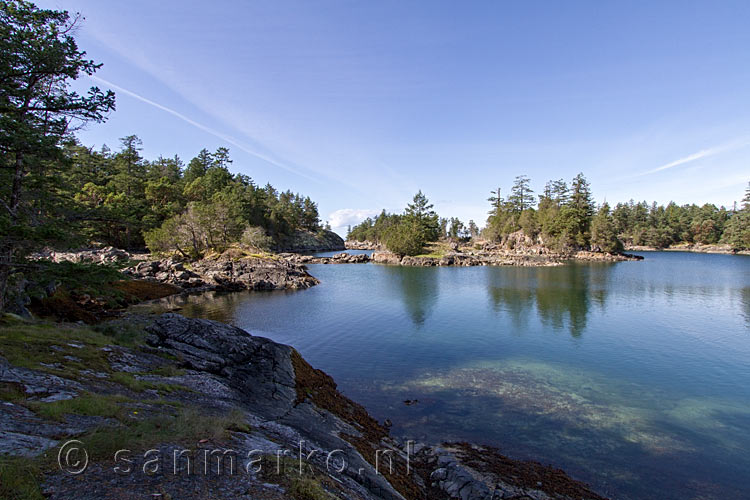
x=564, y=217
x=125, y=201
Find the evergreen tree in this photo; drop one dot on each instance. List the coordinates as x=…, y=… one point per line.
x=496, y=202
x=39, y=60
x=198, y=166
x=521, y=196
x=578, y=211
x=603, y=233
x=405, y=238
x=420, y=211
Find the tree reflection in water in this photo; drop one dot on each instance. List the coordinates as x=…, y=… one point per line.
x=562, y=295
x=419, y=288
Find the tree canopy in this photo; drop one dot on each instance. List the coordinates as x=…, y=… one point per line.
x=38, y=110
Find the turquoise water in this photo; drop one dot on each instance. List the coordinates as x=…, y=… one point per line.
x=634, y=377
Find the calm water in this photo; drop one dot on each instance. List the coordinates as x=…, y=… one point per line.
x=634, y=377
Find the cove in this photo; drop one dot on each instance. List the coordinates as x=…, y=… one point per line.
x=634, y=376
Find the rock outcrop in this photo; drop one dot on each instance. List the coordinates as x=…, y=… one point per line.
x=468, y=259
x=339, y=258
x=689, y=247
x=106, y=255
x=224, y=274
x=308, y=241
x=363, y=245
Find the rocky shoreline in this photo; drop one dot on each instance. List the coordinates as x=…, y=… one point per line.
x=251, y=398
x=237, y=270
x=225, y=274
x=488, y=258
x=60, y=290
x=696, y=248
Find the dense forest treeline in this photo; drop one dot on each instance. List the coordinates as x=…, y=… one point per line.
x=564, y=217
x=120, y=199
x=126, y=201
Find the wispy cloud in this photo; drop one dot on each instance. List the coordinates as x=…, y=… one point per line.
x=346, y=216
x=226, y=138
x=704, y=153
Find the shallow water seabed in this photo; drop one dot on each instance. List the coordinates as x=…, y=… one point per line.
x=594, y=417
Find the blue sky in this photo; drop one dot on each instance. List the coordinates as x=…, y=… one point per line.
x=360, y=104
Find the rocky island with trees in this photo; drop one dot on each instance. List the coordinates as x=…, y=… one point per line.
x=562, y=223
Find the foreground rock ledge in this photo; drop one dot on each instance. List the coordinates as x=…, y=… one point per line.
x=286, y=404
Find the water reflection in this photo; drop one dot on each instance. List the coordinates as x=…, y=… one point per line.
x=561, y=294
x=512, y=292
x=419, y=288
x=218, y=306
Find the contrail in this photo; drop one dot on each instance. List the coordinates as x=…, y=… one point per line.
x=204, y=128
x=704, y=153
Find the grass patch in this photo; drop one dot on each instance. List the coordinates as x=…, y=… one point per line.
x=19, y=479
x=121, y=333
x=434, y=250
x=431, y=255
x=304, y=484
x=128, y=380
x=186, y=427
x=236, y=421
x=28, y=345
x=66, y=349
x=88, y=404
x=305, y=488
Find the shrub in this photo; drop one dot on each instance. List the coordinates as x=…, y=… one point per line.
x=256, y=237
